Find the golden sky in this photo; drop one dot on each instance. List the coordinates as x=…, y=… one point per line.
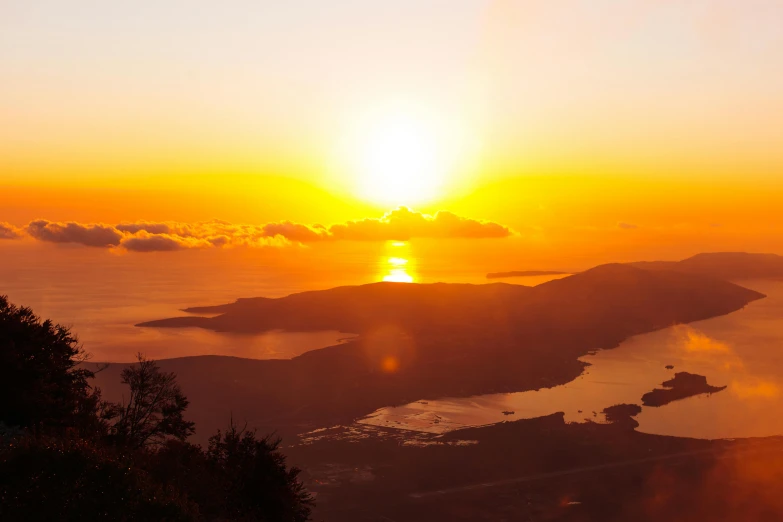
x=579, y=125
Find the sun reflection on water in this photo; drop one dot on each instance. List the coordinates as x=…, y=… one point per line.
x=395, y=265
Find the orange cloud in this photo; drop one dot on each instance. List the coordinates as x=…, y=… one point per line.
x=755, y=388
x=150, y=236
x=296, y=231
x=145, y=226
x=404, y=224
x=8, y=231
x=146, y=242
x=699, y=346
x=696, y=341
x=744, y=384
x=95, y=235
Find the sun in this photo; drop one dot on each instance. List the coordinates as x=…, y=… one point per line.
x=404, y=153
x=401, y=161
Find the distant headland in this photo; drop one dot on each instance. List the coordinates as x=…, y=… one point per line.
x=525, y=273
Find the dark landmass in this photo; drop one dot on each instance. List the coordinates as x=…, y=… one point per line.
x=682, y=386
x=420, y=342
x=356, y=308
x=524, y=273
x=731, y=266
x=541, y=469
x=239, y=304
x=596, y=299
x=622, y=414
x=723, y=265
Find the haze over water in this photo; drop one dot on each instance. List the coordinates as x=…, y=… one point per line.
x=103, y=295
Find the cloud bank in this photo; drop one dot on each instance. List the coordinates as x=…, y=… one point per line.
x=96, y=235
x=148, y=236
x=403, y=224
x=8, y=231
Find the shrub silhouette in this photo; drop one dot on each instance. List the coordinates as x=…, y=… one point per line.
x=256, y=483
x=239, y=477
x=75, y=480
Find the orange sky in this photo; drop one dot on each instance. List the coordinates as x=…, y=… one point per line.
x=630, y=130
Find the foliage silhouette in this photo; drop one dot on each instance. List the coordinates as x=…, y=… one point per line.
x=42, y=385
x=67, y=455
x=42, y=478
x=154, y=410
x=239, y=477
x=256, y=483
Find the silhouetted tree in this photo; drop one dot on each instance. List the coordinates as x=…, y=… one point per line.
x=154, y=410
x=42, y=385
x=183, y=466
x=239, y=477
x=256, y=484
x=66, y=455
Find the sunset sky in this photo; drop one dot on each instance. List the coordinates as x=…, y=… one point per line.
x=581, y=129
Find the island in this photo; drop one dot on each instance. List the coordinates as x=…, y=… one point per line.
x=682, y=386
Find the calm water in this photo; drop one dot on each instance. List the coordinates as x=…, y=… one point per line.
x=743, y=351
x=101, y=295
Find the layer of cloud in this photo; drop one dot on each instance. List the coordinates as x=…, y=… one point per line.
x=627, y=226
x=146, y=242
x=8, y=231
x=404, y=224
x=150, y=236
x=297, y=231
x=96, y=235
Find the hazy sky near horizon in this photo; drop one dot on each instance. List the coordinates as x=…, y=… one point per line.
x=550, y=116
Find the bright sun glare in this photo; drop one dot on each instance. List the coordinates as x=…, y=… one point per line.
x=405, y=154
x=396, y=268
x=400, y=162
